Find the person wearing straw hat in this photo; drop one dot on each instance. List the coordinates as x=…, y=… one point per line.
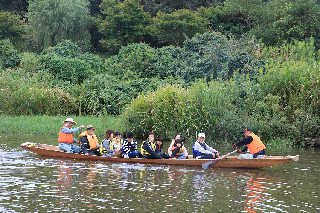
x=201, y=150
x=66, y=138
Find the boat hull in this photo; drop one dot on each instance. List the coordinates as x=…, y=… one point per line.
x=228, y=162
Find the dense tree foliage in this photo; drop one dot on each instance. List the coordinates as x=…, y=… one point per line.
x=11, y=27
x=52, y=21
x=124, y=23
x=176, y=27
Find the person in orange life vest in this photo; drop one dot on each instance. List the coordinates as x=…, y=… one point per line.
x=66, y=138
x=159, y=148
x=177, y=150
x=176, y=137
x=253, y=142
x=89, y=142
x=201, y=150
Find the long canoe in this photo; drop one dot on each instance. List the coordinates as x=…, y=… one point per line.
x=228, y=162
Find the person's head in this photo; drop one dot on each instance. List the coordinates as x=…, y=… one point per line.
x=201, y=137
x=151, y=136
x=177, y=136
x=246, y=131
x=178, y=143
x=160, y=141
x=117, y=134
x=109, y=134
x=130, y=136
x=69, y=122
x=90, y=130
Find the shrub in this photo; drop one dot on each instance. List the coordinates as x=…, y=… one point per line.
x=8, y=54
x=27, y=94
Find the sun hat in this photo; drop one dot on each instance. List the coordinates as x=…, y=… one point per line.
x=201, y=135
x=90, y=127
x=70, y=120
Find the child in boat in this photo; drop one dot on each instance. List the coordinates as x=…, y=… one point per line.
x=105, y=145
x=176, y=137
x=116, y=144
x=177, y=150
x=159, y=148
x=129, y=147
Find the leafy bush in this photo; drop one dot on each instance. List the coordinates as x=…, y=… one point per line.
x=27, y=94
x=8, y=54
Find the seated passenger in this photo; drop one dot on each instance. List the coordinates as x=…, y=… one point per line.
x=66, y=138
x=116, y=144
x=159, y=148
x=177, y=150
x=148, y=148
x=105, y=149
x=129, y=147
x=201, y=150
x=184, y=151
x=89, y=142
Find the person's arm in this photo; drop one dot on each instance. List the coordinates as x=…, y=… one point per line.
x=135, y=145
x=244, y=141
x=125, y=147
x=69, y=131
x=170, y=147
x=185, y=151
x=210, y=148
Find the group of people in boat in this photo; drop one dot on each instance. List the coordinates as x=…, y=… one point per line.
x=114, y=146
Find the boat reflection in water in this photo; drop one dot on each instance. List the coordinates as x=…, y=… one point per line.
x=254, y=194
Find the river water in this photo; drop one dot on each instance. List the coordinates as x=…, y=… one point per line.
x=31, y=183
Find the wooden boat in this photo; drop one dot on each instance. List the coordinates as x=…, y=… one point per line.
x=229, y=161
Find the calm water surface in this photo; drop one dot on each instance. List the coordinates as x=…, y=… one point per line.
x=31, y=183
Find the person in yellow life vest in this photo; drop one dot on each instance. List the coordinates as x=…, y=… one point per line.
x=148, y=148
x=89, y=142
x=253, y=142
x=116, y=144
x=66, y=138
x=105, y=149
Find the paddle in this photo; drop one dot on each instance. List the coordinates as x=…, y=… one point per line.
x=215, y=161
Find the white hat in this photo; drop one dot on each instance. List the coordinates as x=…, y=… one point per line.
x=69, y=120
x=201, y=135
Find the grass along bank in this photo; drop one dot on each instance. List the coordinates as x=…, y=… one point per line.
x=50, y=125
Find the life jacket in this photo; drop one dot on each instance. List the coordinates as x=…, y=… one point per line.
x=65, y=137
x=180, y=151
x=115, y=141
x=144, y=152
x=93, y=140
x=195, y=152
x=102, y=149
x=256, y=145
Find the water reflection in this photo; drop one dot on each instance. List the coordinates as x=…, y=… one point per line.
x=31, y=183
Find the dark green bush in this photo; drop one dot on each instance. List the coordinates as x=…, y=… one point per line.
x=8, y=54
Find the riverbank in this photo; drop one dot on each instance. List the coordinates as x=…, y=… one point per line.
x=50, y=125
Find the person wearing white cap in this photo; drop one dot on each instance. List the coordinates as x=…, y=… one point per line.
x=66, y=138
x=201, y=150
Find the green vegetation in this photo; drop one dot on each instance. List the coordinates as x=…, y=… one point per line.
x=50, y=125
x=164, y=66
